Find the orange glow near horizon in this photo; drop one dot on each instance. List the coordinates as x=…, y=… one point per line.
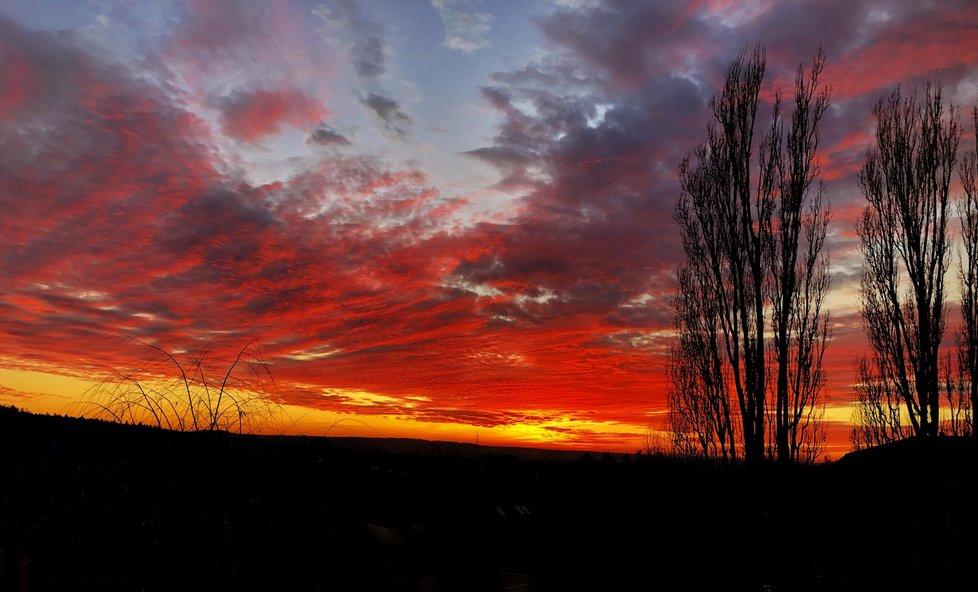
x=44, y=391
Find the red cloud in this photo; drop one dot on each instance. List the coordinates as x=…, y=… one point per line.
x=942, y=41
x=249, y=116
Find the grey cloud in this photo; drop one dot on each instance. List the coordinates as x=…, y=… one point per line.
x=499, y=156
x=604, y=163
x=628, y=41
x=394, y=121
x=368, y=56
x=497, y=97
x=327, y=136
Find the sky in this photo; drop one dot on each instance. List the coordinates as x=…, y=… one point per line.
x=445, y=219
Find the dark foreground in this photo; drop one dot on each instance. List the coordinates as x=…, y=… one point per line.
x=92, y=506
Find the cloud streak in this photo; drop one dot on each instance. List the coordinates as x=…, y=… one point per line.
x=389, y=114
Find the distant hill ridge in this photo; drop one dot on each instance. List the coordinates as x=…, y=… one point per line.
x=13, y=420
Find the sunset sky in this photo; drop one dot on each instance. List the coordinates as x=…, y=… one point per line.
x=444, y=219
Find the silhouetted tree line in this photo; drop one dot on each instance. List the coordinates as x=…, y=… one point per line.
x=746, y=370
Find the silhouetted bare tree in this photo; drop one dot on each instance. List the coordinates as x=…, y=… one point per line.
x=195, y=394
x=955, y=386
x=903, y=231
x=753, y=236
x=968, y=274
x=799, y=274
x=877, y=417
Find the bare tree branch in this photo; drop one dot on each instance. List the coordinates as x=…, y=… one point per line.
x=241, y=403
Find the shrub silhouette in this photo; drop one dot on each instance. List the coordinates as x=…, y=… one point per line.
x=188, y=391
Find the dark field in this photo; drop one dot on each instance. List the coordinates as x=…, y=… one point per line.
x=87, y=505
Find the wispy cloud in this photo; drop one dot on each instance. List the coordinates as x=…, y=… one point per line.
x=465, y=29
x=367, y=46
x=393, y=120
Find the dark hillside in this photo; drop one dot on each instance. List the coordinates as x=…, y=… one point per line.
x=87, y=505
